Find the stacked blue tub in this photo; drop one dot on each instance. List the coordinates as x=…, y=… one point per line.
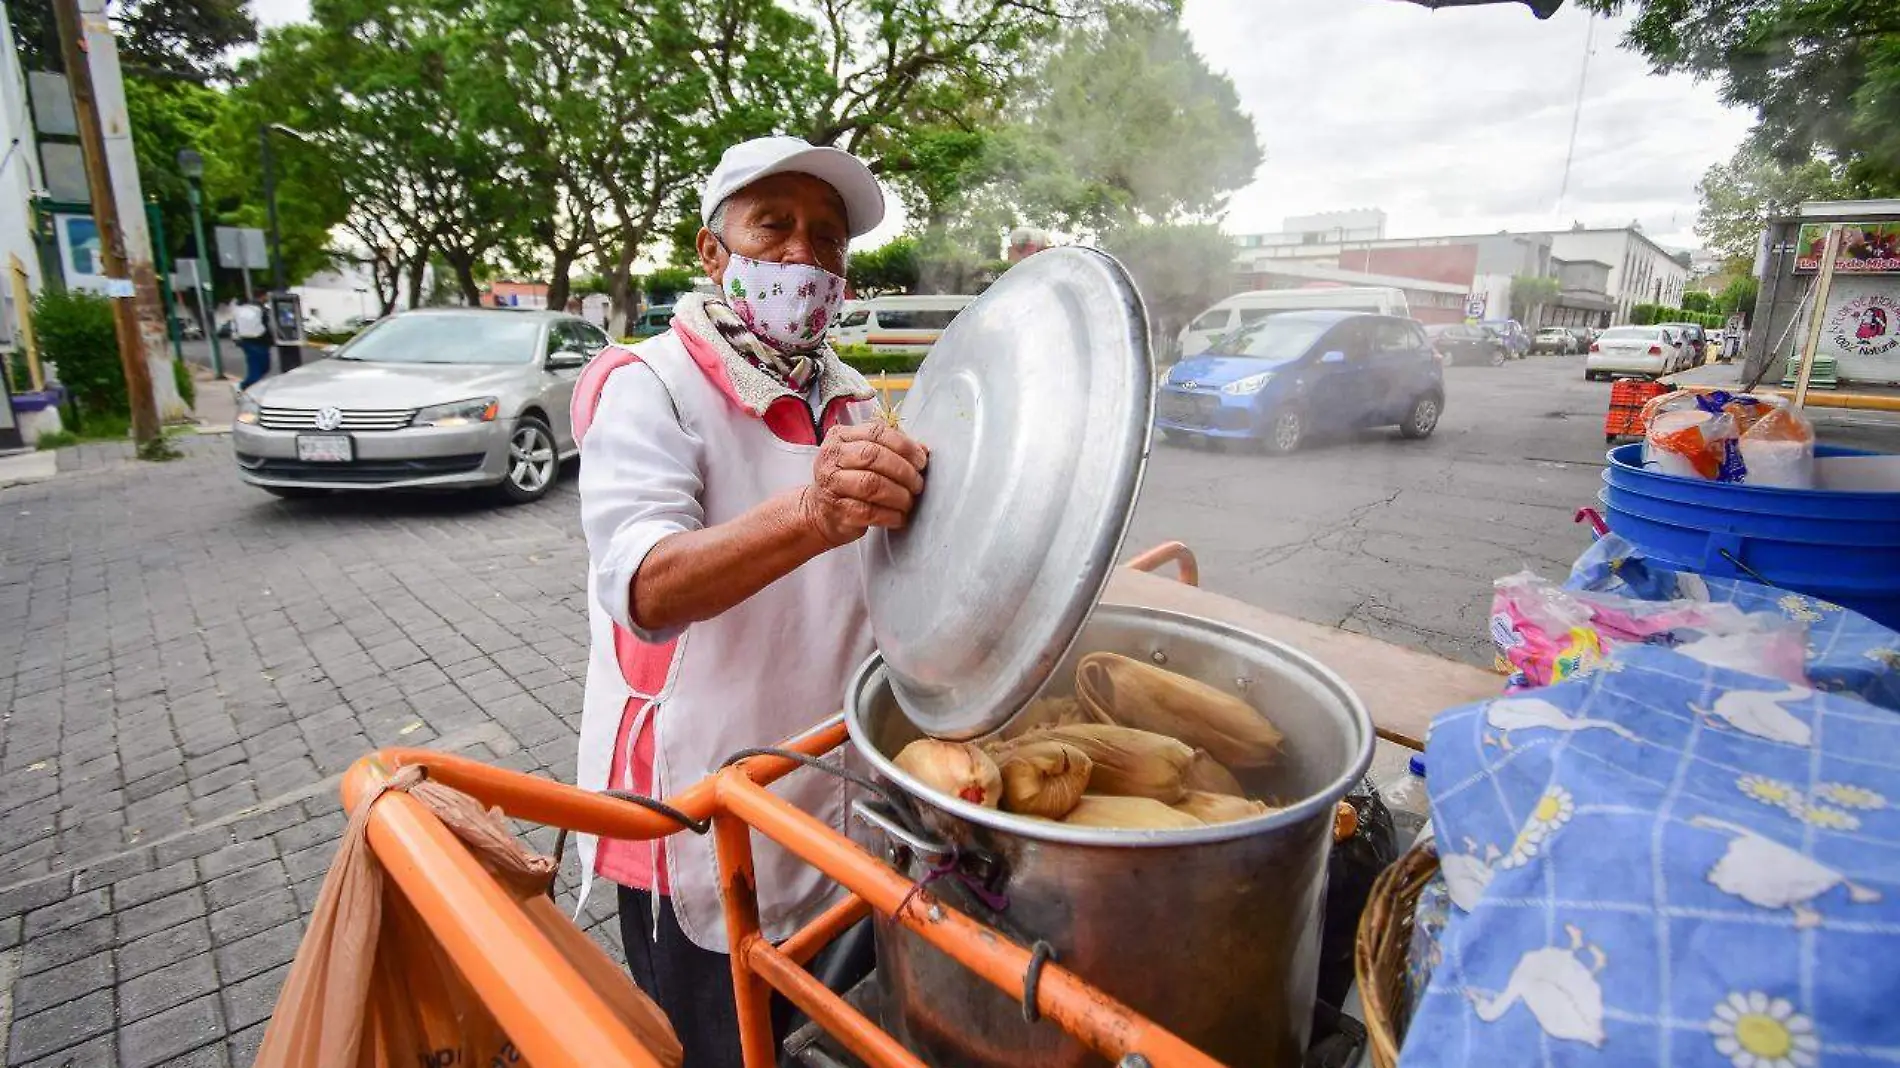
x=1843, y=546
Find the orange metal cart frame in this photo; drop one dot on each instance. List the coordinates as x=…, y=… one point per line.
x=555, y=1018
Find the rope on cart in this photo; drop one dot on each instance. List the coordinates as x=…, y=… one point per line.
x=1042, y=954
x=953, y=865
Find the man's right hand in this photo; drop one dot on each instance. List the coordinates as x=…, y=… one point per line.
x=865, y=476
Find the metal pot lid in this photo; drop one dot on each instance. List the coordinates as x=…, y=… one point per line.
x=1036, y=405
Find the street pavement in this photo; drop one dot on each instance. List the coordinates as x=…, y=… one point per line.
x=187, y=665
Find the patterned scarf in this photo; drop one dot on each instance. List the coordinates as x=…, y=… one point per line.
x=798, y=371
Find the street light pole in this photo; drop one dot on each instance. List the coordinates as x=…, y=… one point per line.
x=193, y=166
x=270, y=207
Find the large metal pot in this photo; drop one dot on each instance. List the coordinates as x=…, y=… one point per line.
x=1213, y=933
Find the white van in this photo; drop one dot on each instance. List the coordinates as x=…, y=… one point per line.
x=1242, y=309
x=908, y=325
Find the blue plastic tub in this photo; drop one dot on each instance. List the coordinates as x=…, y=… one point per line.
x=1843, y=547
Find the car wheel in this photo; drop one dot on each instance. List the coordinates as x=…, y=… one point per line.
x=1589, y=376
x=1498, y=358
x=295, y=493
x=1422, y=419
x=532, y=462
x=1285, y=430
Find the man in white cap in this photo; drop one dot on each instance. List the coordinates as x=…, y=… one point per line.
x=723, y=463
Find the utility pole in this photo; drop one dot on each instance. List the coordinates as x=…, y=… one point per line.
x=105, y=213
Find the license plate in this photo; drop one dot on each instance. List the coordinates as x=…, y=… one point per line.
x=325, y=448
x=1176, y=408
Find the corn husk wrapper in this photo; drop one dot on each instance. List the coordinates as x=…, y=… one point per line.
x=1220, y=808
x=1043, y=777
x=958, y=769
x=1128, y=762
x=1211, y=776
x=1127, y=814
x=1049, y=712
x=1149, y=698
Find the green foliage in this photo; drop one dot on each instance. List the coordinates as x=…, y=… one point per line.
x=1741, y=195
x=1823, y=76
x=1106, y=127
x=1530, y=292
x=1649, y=314
x=75, y=331
x=893, y=267
x=1180, y=269
x=1697, y=301
x=872, y=364
x=664, y=285
x=1738, y=296
x=57, y=439
x=187, y=387
x=178, y=39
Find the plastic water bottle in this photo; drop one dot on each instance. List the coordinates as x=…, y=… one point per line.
x=1406, y=799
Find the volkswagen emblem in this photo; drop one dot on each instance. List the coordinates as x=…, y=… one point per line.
x=1190, y=385
x=329, y=418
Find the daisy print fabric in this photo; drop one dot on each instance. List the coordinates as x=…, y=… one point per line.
x=1665, y=862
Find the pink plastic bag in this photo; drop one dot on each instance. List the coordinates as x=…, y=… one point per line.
x=1545, y=633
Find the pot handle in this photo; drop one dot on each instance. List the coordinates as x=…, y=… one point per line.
x=880, y=816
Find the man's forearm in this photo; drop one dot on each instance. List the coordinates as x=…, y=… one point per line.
x=696, y=575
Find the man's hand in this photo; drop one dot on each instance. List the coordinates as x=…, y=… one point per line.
x=865, y=476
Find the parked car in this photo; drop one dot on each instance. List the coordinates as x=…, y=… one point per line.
x=1695, y=341
x=1636, y=350
x=444, y=398
x=1555, y=339
x=1241, y=309
x=1457, y=343
x=654, y=321
x=898, y=325
x=1584, y=337
x=1277, y=380
x=1517, y=341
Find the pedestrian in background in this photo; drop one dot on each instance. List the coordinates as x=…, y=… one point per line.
x=250, y=325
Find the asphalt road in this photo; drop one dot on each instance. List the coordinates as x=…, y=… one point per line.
x=1401, y=539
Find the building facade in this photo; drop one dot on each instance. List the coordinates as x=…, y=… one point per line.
x=1641, y=271
x=1860, y=326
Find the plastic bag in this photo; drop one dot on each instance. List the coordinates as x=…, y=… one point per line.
x=1545, y=633
x=1719, y=436
x=371, y=985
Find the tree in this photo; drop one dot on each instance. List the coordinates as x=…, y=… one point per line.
x=667, y=283
x=892, y=267
x=189, y=39
x=1822, y=75
x=1740, y=196
x=1738, y=297
x=1529, y=293
x=1180, y=269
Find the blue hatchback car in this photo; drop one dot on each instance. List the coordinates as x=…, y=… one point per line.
x=1276, y=380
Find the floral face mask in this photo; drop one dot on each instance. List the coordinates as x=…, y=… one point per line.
x=788, y=305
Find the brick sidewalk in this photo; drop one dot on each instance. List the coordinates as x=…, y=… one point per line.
x=188, y=665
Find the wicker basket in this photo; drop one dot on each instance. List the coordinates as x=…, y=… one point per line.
x=1379, y=952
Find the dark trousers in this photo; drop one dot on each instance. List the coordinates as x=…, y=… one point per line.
x=693, y=986
x=256, y=361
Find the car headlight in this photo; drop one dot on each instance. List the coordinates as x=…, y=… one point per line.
x=459, y=413
x=247, y=409
x=1248, y=386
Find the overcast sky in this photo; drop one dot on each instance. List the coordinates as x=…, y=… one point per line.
x=1452, y=121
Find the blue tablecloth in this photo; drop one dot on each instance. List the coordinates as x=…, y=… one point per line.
x=1667, y=863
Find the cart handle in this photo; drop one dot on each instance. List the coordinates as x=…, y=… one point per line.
x=1170, y=552
x=538, y=800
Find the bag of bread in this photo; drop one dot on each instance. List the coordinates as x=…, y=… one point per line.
x=1128, y=762
x=1220, y=808
x=958, y=769
x=1140, y=695
x=1043, y=777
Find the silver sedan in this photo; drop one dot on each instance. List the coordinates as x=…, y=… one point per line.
x=434, y=399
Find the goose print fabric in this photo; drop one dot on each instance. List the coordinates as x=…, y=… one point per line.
x=1665, y=862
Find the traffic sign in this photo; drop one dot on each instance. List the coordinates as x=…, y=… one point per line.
x=242, y=248
x=1474, y=305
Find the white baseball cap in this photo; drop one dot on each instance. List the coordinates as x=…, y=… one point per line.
x=749, y=161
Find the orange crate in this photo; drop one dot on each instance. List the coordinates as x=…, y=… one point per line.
x=1625, y=416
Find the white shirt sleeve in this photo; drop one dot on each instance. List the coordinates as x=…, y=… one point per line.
x=639, y=482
